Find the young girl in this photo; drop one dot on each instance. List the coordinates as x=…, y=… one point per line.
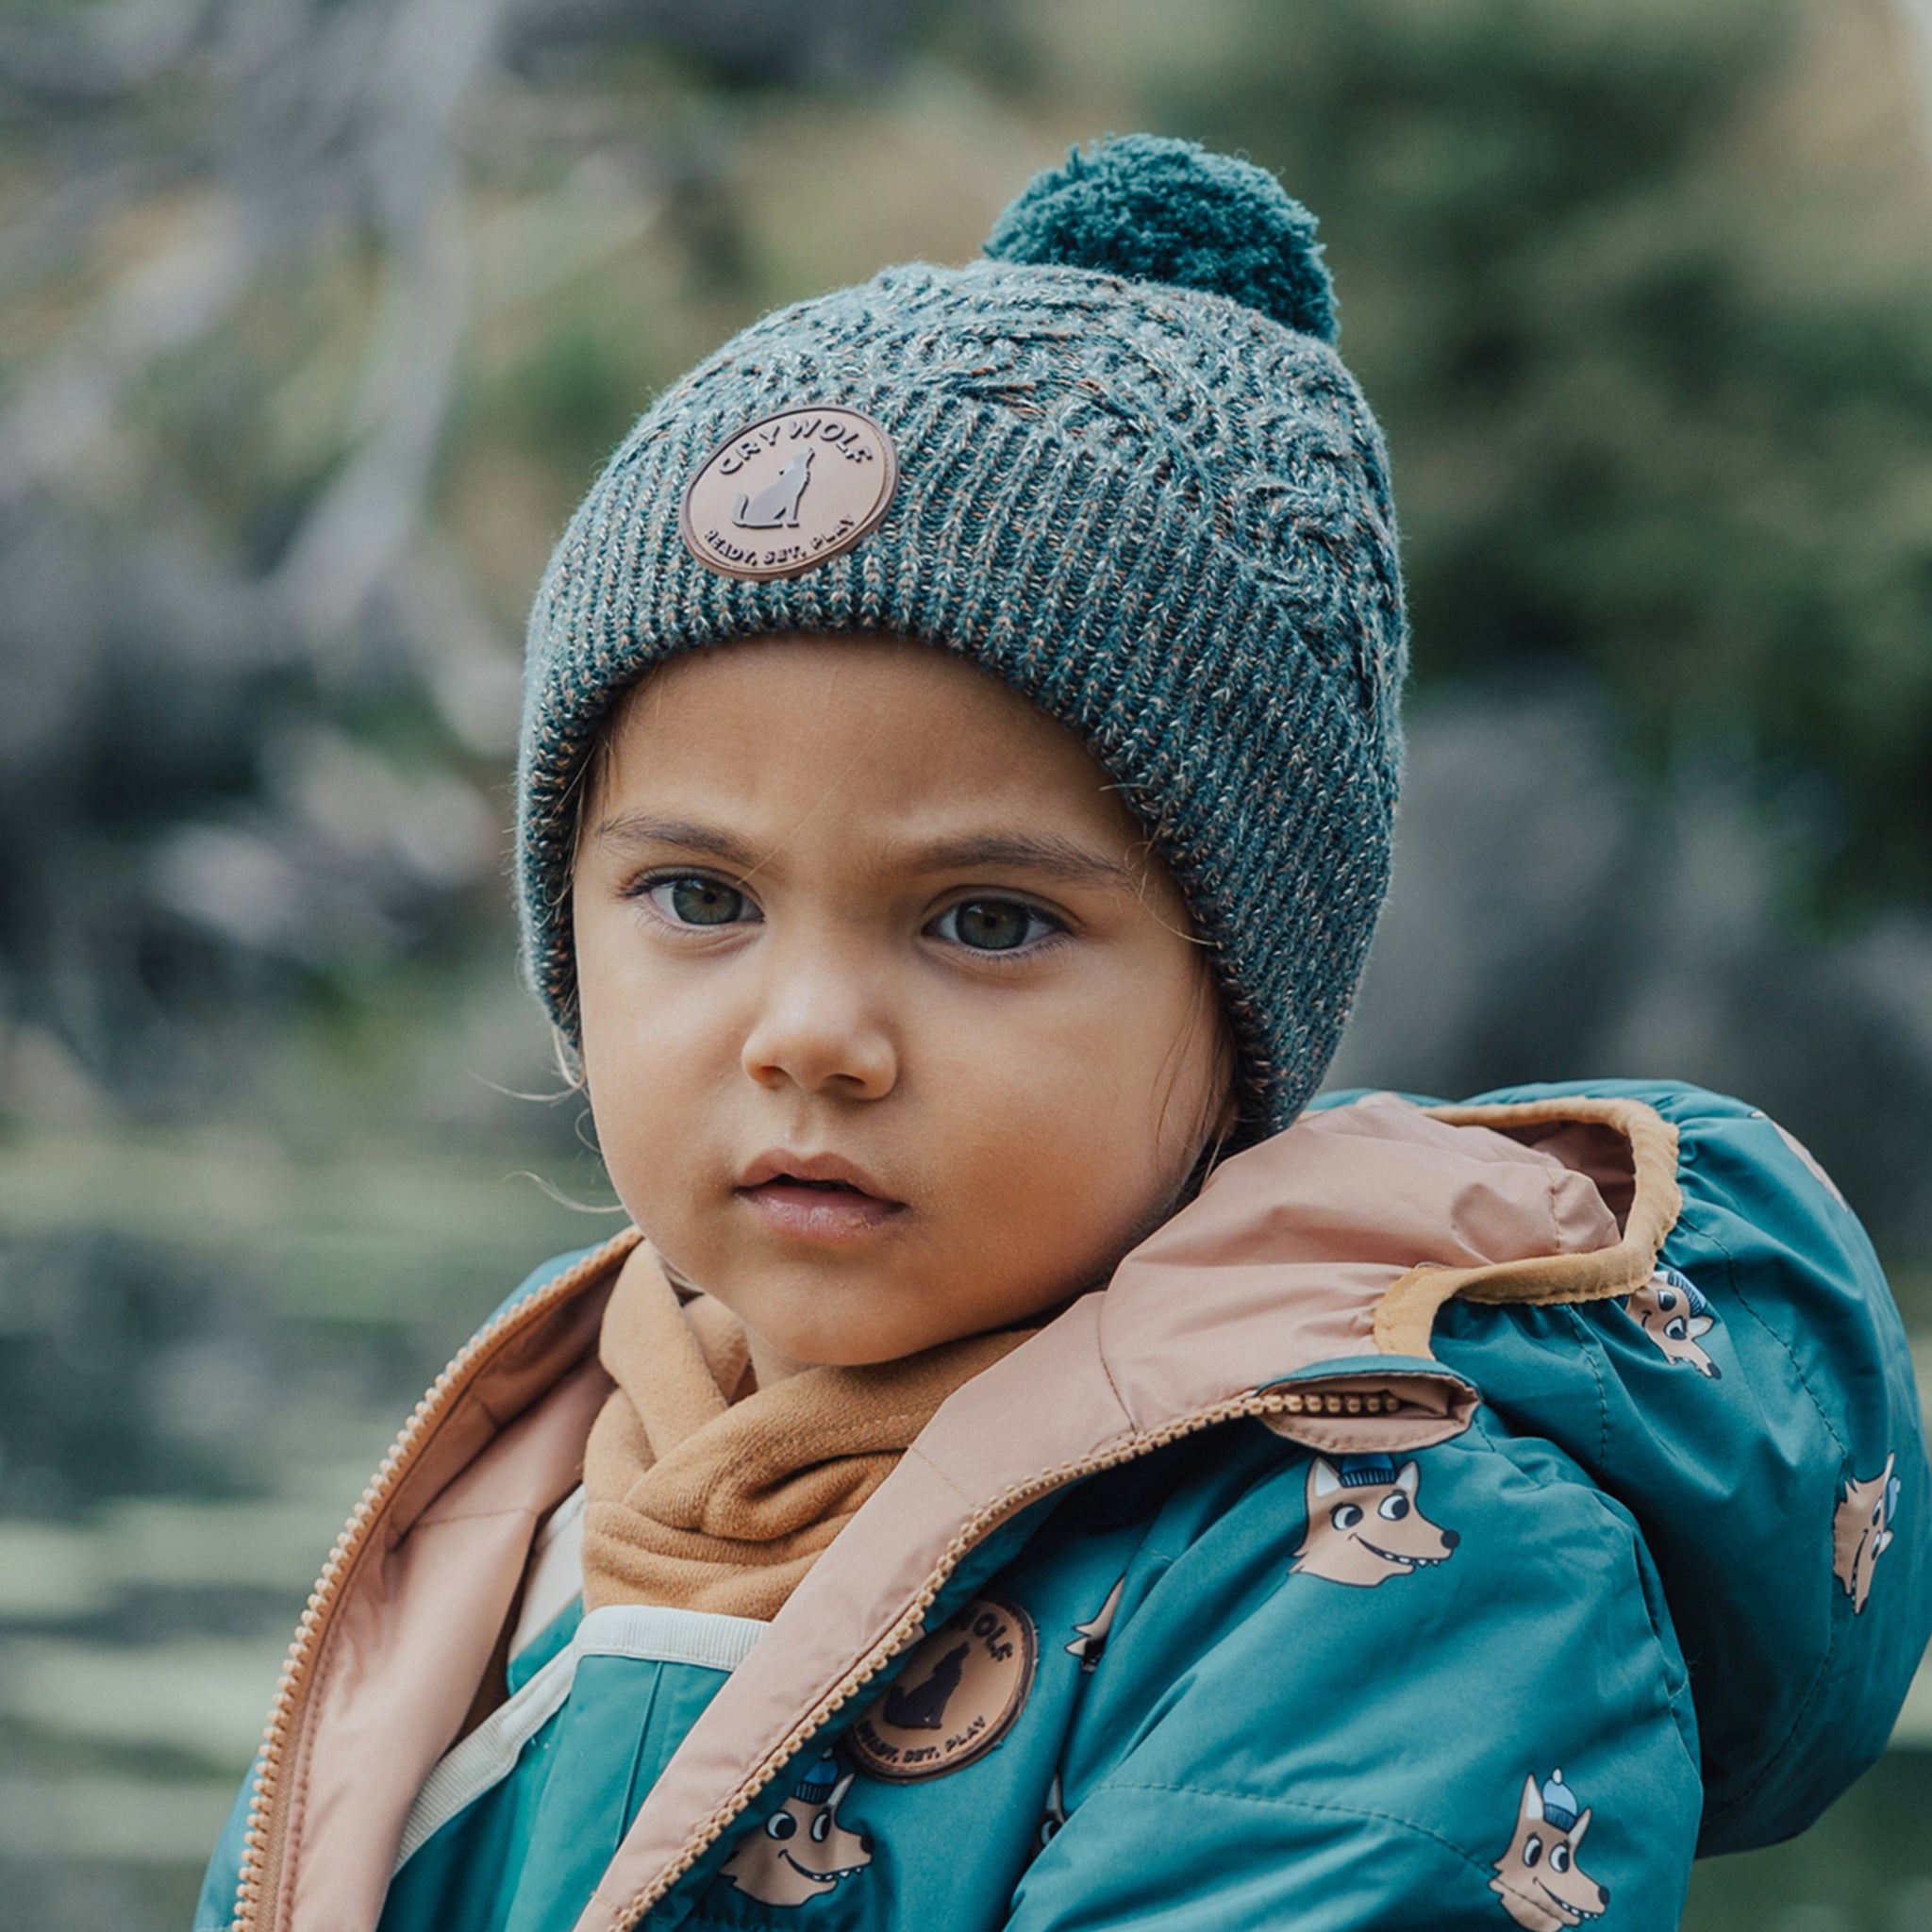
x=1026, y=1468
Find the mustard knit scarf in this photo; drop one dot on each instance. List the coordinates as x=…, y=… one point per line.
x=704, y=1493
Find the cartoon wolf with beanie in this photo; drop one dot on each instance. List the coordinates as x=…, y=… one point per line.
x=959, y=757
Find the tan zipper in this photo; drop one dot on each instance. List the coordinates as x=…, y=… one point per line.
x=261, y=1846
x=983, y=1521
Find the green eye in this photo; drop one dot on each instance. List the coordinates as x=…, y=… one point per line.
x=694, y=900
x=993, y=926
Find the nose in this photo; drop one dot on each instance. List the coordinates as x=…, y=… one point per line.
x=818, y=1027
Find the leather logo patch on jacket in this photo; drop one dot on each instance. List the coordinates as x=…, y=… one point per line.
x=955, y=1697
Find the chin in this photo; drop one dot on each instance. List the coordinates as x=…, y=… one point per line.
x=817, y=1348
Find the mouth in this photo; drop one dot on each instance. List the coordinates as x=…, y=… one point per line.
x=1401, y=1561
x=816, y=1196
x=811, y=1169
x=829, y=1880
x=1571, y=1914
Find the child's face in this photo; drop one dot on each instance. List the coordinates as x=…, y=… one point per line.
x=848, y=910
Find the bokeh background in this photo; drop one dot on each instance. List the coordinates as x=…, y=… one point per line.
x=316, y=317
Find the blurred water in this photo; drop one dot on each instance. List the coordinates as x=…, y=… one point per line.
x=195, y=1385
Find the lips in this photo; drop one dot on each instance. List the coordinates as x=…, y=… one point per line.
x=818, y=1172
x=816, y=1196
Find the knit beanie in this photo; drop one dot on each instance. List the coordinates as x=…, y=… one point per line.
x=1118, y=463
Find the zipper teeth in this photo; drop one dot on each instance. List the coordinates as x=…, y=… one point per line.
x=984, y=1520
x=258, y=1839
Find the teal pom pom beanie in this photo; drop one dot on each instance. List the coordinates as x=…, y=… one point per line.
x=1118, y=463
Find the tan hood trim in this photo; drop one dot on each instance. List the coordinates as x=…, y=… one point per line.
x=1406, y=1316
x=398, y=1630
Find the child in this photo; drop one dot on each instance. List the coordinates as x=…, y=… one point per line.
x=1029, y=1472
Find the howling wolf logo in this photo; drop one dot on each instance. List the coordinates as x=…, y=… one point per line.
x=1674, y=1314
x=1861, y=1531
x=1540, y=1883
x=801, y=1851
x=923, y=1707
x=776, y=503
x=1363, y=1523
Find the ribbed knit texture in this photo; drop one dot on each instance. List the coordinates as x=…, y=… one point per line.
x=1156, y=512
x=701, y=1496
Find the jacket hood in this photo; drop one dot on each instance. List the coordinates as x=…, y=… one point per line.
x=1360, y=1283
x=1750, y=1402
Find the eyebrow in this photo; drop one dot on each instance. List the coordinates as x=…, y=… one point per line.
x=1048, y=853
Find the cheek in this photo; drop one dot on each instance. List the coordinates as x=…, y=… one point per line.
x=1050, y=1071
x=1089, y=1111
x=1148, y=1059
x=635, y=1005
x=651, y=1051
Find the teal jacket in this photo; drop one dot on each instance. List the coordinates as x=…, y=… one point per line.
x=1455, y=1517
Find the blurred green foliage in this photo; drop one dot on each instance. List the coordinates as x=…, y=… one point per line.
x=1645, y=300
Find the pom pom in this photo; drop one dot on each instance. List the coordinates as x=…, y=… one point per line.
x=1169, y=212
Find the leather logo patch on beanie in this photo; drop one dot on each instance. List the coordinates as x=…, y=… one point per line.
x=788, y=492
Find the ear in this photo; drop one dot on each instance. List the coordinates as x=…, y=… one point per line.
x=1407, y=1477
x=1699, y=1324
x=1578, y=1829
x=1324, y=1479
x=838, y=1792
x=1532, y=1802
x=1885, y=1474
